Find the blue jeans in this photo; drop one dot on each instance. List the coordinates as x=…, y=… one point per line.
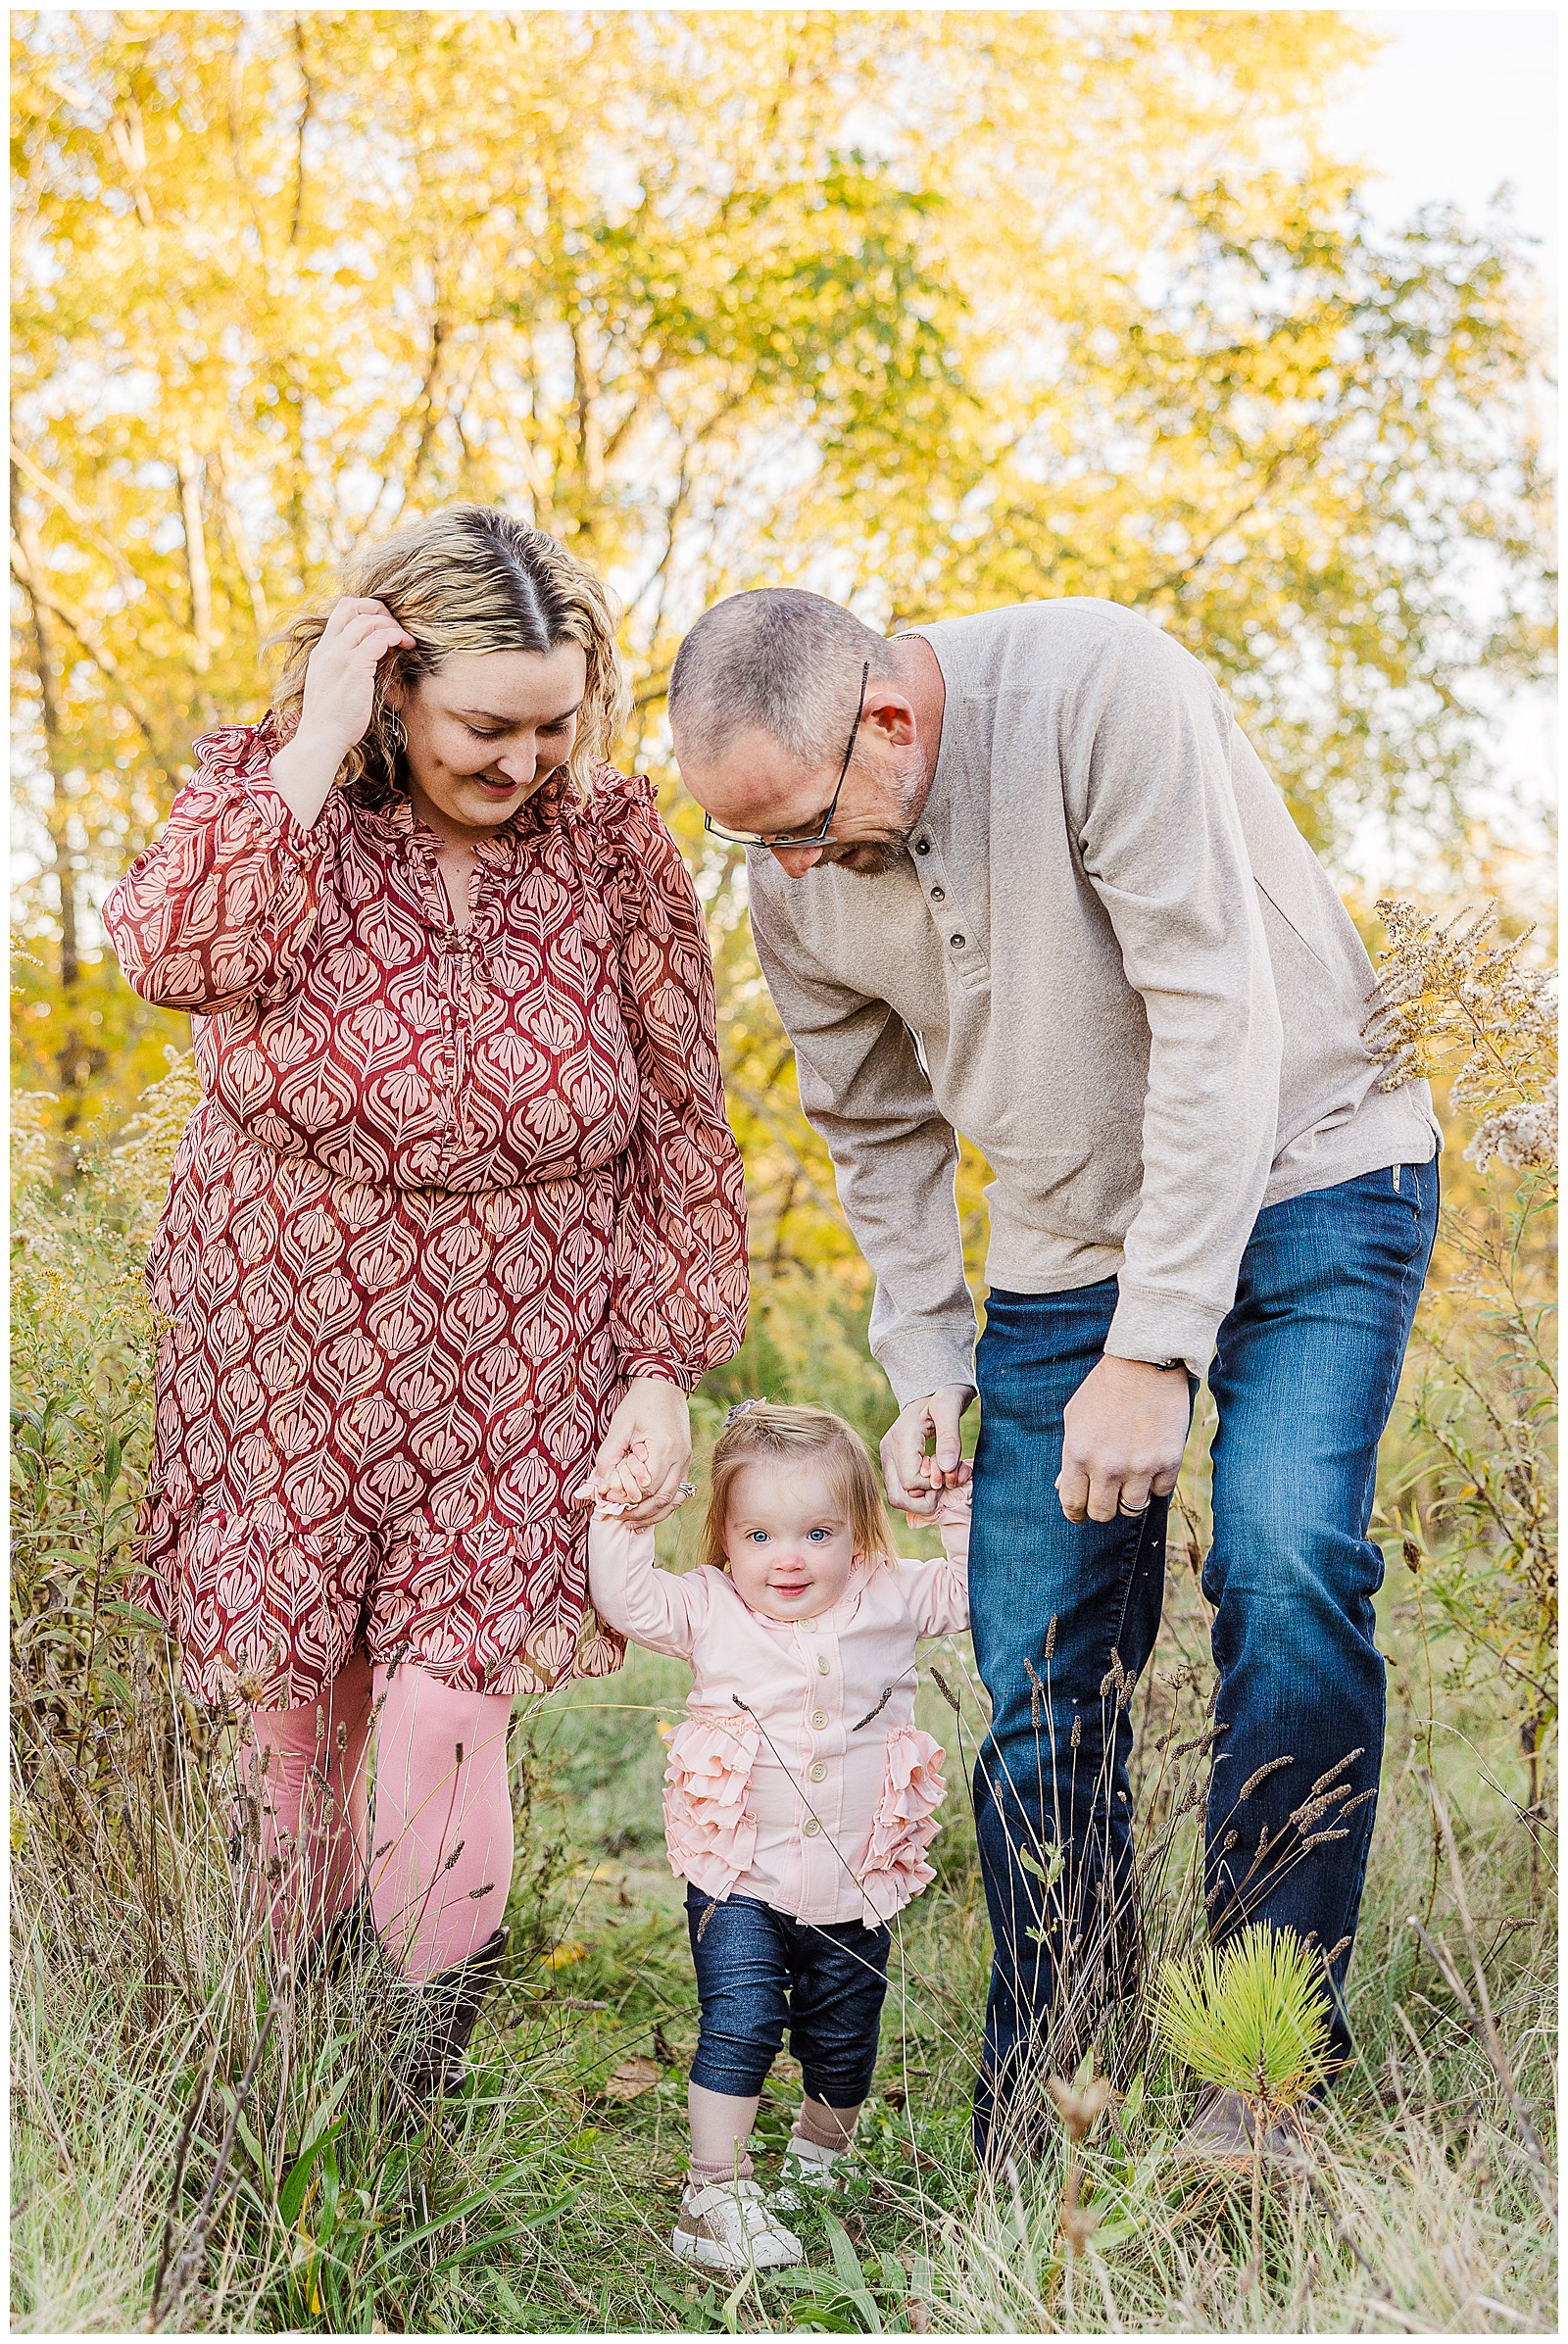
x=757, y=1972
x=1065, y=1617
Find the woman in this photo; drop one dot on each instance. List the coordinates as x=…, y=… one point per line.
x=459, y=1217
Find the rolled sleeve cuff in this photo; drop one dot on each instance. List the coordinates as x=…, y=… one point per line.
x=662, y=1370
x=921, y=1363
x=1152, y=1325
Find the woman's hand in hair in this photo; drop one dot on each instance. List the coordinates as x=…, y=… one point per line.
x=650, y=1436
x=339, y=700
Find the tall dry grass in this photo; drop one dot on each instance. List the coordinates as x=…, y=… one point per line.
x=201, y=2140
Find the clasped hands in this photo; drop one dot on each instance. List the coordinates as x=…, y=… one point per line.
x=638, y=1472
x=1124, y=1431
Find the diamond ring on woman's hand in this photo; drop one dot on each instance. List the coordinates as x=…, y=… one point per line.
x=687, y=1490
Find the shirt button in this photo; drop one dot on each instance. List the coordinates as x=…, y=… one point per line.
x=817, y=1770
x=819, y=1721
x=823, y=1664
x=807, y=1627
x=813, y=1827
x=922, y=846
x=957, y=943
x=939, y=895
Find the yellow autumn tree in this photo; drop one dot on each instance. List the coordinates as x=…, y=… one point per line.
x=930, y=311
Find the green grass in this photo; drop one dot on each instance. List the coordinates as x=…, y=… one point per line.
x=538, y=2204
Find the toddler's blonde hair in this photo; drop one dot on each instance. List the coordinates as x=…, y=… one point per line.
x=764, y=1435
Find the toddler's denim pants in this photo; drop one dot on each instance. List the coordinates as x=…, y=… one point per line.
x=759, y=1972
x=1303, y=1377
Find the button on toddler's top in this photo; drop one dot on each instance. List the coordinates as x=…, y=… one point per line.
x=797, y=1776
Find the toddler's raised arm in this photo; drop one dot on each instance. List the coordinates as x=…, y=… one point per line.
x=939, y=1590
x=650, y=1606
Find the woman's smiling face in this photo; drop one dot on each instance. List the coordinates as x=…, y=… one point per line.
x=487, y=730
x=787, y=1539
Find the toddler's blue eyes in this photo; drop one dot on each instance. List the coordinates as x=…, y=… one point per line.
x=757, y=1538
x=819, y=1533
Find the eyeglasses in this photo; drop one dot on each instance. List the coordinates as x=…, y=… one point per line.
x=812, y=837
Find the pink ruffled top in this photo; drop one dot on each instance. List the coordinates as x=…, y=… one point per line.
x=798, y=1774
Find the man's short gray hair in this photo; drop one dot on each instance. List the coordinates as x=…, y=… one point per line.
x=784, y=660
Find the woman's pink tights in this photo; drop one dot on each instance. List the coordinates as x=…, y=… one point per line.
x=435, y=1843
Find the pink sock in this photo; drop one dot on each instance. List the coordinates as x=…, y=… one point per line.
x=826, y=2127
x=721, y=2126
x=441, y=1832
x=306, y=1768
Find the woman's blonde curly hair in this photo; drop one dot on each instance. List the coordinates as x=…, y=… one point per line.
x=469, y=578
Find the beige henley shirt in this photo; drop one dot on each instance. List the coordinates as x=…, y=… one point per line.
x=1109, y=959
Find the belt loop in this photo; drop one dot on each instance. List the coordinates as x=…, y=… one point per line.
x=1397, y=1180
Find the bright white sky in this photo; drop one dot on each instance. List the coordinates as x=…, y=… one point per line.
x=1460, y=100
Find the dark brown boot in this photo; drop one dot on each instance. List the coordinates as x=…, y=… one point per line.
x=438, y=2018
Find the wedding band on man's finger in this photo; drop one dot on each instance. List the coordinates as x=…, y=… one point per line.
x=1135, y=1512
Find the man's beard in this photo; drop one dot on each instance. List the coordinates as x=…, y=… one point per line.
x=882, y=850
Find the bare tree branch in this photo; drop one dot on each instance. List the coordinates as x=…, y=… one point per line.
x=249, y=569
x=53, y=749
x=189, y=468
x=102, y=657
x=304, y=124
x=85, y=524
x=235, y=111
x=770, y=1115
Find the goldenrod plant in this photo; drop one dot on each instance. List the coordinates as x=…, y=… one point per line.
x=1463, y=1003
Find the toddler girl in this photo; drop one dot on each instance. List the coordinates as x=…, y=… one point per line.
x=800, y=1793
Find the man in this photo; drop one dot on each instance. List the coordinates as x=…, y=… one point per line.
x=1037, y=889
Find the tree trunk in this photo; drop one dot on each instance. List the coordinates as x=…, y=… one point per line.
x=201, y=577
x=59, y=813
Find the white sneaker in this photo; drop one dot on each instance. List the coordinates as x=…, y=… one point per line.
x=808, y=2165
x=728, y=2226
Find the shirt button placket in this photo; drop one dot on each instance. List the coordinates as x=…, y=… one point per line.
x=934, y=886
x=819, y=1829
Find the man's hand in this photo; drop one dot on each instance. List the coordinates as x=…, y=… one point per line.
x=913, y=1480
x=1124, y=1431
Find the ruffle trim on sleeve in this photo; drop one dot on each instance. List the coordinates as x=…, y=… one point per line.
x=241, y=755
x=708, y=1828
x=904, y=1824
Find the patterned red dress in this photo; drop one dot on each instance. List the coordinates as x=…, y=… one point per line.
x=444, y=1193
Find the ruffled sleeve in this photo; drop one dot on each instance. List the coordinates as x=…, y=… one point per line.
x=680, y=1287
x=220, y=906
